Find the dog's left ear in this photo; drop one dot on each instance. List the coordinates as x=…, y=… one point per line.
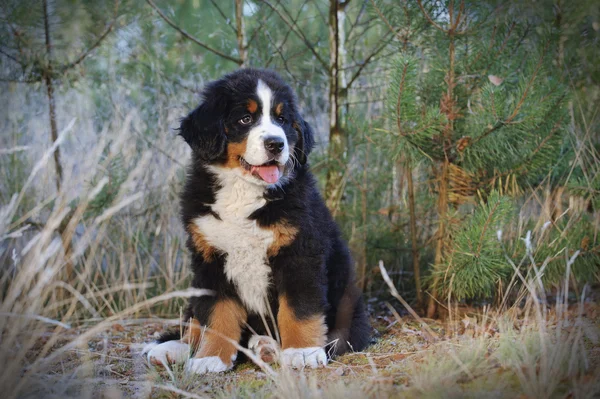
x=203, y=129
x=306, y=140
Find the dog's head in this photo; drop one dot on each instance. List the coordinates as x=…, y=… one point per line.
x=248, y=121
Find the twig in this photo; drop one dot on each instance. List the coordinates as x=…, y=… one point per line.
x=227, y=20
x=397, y=295
x=431, y=21
x=298, y=33
x=192, y=38
x=108, y=29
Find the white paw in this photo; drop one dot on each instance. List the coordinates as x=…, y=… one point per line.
x=167, y=353
x=265, y=347
x=203, y=365
x=299, y=358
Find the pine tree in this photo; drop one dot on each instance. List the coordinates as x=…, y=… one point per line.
x=479, y=102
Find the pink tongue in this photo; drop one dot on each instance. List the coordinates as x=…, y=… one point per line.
x=270, y=173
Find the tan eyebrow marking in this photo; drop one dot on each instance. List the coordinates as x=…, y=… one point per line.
x=252, y=106
x=279, y=109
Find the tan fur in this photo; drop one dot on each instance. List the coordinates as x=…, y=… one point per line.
x=278, y=109
x=226, y=320
x=283, y=235
x=200, y=243
x=296, y=333
x=193, y=333
x=234, y=152
x=252, y=106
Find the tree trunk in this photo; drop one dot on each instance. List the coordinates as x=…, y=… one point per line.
x=442, y=211
x=338, y=141
x=48, y=76
x=448, y=106
x=241, y=32
x=51, y=102
x=361, y=257
x=413, y=234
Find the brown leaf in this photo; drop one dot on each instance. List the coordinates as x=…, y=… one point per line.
x=463, y=143
x=496, y=81
x=585, y=243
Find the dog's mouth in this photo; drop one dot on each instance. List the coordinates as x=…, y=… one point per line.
x=270, y=172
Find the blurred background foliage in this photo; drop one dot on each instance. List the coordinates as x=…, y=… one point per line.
x=453, y=136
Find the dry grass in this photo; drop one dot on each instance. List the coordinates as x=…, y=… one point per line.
x=81, y=335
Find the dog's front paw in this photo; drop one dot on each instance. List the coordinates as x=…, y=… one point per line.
x=299, y=358
x=203, y=365
x=169, y=352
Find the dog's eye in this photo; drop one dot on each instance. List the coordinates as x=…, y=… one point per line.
x=280, y=120
x=246, y=120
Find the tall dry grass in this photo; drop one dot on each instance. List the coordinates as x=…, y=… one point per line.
x=117, y=210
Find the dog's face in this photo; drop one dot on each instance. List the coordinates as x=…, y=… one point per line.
x=249, y=122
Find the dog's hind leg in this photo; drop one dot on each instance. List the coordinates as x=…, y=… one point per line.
x=265, y=348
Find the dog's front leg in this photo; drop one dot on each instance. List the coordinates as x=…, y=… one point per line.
x=216, y=352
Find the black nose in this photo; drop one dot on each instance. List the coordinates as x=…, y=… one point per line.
x=274, y=144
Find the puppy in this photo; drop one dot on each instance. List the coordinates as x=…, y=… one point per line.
x=260, y=236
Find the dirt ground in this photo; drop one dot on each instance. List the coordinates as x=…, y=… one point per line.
x=469, y=354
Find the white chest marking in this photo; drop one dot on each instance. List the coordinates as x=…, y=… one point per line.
x=244, y=242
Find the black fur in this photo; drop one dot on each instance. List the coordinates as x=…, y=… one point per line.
x=315, y=270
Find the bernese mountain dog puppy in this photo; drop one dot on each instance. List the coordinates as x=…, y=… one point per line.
x=260, y=236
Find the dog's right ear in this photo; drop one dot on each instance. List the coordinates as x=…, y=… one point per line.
x=204, y=128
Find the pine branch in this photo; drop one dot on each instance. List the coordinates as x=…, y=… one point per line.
x=529, y=84
x=519, y=104
x=399, y=99
x=192, y=38
x=485, y=227
x=529, y=158
x=428, y=17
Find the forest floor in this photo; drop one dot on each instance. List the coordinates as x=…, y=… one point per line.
x=472, y=353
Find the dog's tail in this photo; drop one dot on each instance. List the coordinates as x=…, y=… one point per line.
x=169, y=335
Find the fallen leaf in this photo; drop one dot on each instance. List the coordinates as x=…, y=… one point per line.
x=496, y=81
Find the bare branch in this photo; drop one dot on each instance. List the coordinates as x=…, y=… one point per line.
x=298, y=33
x=258, y=28
x=87, y=52
x=367, y=60
x=386, y=21
x=227, y=20
x=358, y=17
x=10, y=57
x=25, y=81
x=285, y=38
x=192, y=38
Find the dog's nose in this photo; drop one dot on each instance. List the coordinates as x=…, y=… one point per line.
x=274, y=144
